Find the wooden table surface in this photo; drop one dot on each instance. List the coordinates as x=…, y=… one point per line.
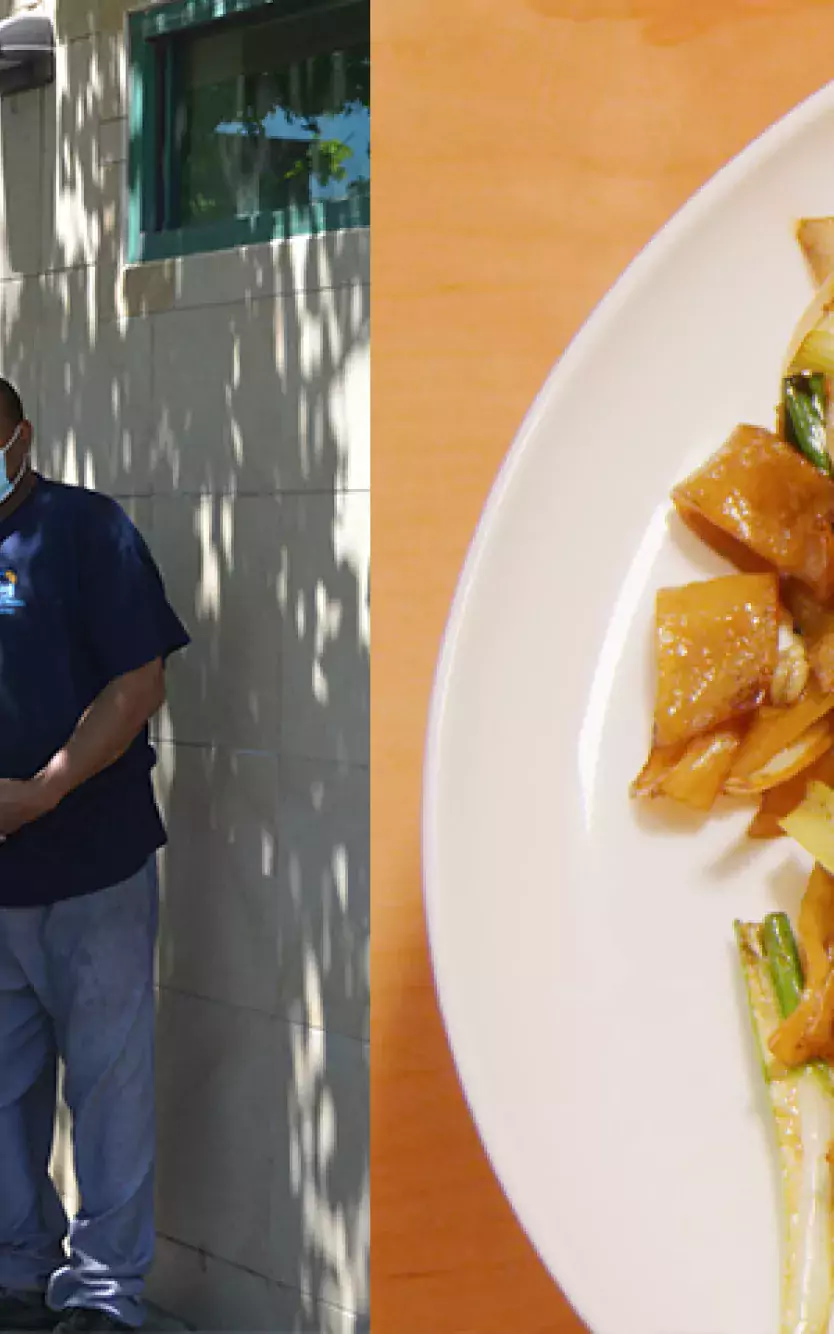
x=524, y=151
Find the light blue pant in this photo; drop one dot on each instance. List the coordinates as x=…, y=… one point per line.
x=76, y=980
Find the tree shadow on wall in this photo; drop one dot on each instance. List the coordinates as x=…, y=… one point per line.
x=220, y=425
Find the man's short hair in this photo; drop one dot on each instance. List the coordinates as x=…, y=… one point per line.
x=11, y=405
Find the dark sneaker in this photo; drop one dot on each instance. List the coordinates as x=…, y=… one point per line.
x=22, y=1311
x=81, y=1320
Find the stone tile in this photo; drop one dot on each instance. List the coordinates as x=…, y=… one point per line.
x=112, y=60
x=339, y=258
x=285, y=394
x=74, y=18
x=276, y=268
x=148, y=289
x=110, y=266
x=139, y=510
x=112, y=13
x=320, y=1237
x=160, y=1322
x=21, y=200
x=325, y=705
x=225, y=277
x=222, y=1087
x=323, y=841
x=214, y=1295
x=72, y=180
x=112, y=141
x=264, y=1148
x=20, y=333
x=126, y=290
x=350, y=391
x=222, y=561
x=333, y=386
x=95, y=389
x=275, y=592
x=223, y=909
x=266, y=884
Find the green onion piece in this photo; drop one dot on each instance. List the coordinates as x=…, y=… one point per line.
x=783, y=960
x=804, y=397
x=817, y=392
x=780, y=950
x=802, y=1102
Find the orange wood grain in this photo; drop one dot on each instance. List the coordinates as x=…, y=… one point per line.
x=524, y=151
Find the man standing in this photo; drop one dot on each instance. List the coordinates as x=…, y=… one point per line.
x=85, y=630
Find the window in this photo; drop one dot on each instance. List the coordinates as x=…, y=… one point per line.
x=250, y=120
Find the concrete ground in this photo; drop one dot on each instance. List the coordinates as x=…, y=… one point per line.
x=158, y=1322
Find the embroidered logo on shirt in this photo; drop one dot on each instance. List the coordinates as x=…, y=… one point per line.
x=10, y=599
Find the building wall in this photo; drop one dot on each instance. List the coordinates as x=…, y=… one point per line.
x=224, y=399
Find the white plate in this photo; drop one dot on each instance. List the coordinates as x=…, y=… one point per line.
x=582, y=947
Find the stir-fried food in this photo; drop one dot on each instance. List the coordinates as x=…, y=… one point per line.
x=801, y=1097
x=744, y=710
x=770, y=497
x=744, y=694
x=717, y=650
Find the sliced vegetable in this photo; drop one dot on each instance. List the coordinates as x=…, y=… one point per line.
x=717, y=646
x=816, y=237
x=811, y=824
x=816, y=927
x=781, y=800
x=802, y=1102
x=692, y=772
x=661, y=762
x=787, y=763
x=762, y=492
x=807, y=1032
x=816, y=351
x=774, y=730
x=805, y=414
x=698, y=777
x=815, y=316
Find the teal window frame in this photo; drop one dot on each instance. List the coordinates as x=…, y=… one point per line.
x=152, y=77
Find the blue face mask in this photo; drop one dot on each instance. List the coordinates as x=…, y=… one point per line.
x=7, y=484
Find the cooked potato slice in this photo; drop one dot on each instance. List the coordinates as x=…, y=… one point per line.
x=765, y=494
x=717, y=647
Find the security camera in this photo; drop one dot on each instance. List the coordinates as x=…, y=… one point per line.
x=27, y=53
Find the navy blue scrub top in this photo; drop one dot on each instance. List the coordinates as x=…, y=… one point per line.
x=81, y=602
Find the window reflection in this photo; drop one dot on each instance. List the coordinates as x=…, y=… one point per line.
x=275, y=115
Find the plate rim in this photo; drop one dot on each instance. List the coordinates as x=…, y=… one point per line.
x=684, y=219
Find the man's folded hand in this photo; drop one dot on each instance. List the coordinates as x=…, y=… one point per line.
x=20, y=804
